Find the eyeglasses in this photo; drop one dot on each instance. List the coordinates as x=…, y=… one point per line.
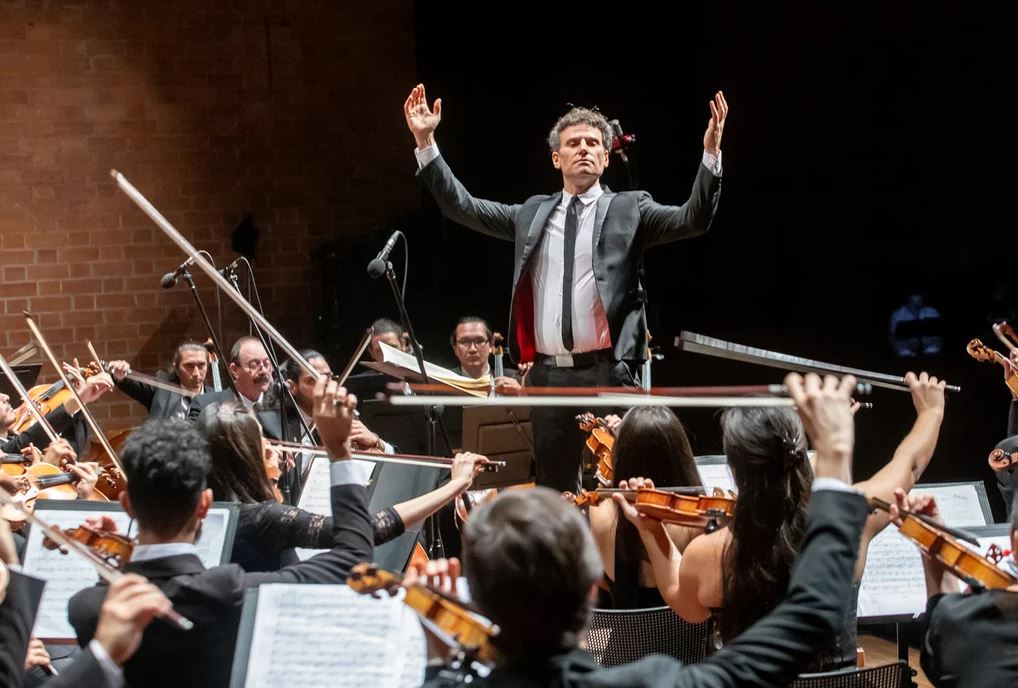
x=255, y=366
x=466, y=342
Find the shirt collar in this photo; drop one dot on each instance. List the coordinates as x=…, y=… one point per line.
x=248, y=404
x=587, y=197
x=158, y=551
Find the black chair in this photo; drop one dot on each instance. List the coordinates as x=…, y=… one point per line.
x=620, y=636
x=897, y=675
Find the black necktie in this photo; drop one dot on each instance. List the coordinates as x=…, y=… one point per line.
x=567, y=273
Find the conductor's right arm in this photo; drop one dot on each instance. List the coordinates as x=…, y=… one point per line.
x=456, y=203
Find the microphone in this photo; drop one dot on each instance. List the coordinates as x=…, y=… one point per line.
x=232, y=267
x=377, y=267
x=620, y=141
x=170, y=278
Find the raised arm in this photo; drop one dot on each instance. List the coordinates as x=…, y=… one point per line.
x=910, y=458
x=455, y=202
x=139, y=391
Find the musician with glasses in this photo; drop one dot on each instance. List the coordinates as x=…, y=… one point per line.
x=188, y=369
x=472, y=345
x=578, y=305
x=251, y=370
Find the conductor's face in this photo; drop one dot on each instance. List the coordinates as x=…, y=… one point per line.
x=581, y=155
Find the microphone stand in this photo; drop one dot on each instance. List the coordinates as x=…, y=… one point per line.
x=436, y=549
x=208, y=325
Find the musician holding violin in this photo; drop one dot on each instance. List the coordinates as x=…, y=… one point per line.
x=188, y=369
x=970, y=638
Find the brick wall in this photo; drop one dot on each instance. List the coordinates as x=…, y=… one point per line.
x=285, y=109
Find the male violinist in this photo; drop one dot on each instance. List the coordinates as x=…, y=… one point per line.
x=251, y=371
x=577, y=306
x=188, y=369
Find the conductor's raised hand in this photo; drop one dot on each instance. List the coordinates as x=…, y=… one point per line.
x=333, y=412
x=421, y=119
x=716, y=124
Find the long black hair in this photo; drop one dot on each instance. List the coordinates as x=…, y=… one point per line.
x=651, y=443
x=235, y=443
x=766, y=449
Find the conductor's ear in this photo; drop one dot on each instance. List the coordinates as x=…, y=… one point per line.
x=556, y=160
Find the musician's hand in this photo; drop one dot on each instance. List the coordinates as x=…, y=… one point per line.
x=716, y=124
x=923, y=504
x=613, y=422
x=8, y=484
x=420, y=118
x=37, y=655
x=642, y=522
x=927, y=392
x=441, y=575
x=522, y=370
x=88, y=475
x=854, y=408
x=826, y=411
x=59, y=452
x=333, y=413
x=465, y=468
x=508, y=386
x=362, y=438
x=32, y=453
x=130, y=605
x=95, y=387
x=118, y=369
x=103, y=522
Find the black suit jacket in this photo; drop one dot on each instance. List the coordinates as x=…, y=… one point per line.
x=213, y=599
x=72, y=428
x=768, y=654
x=17, y=616
x=625, y=225
x=199, y=403
x=83, y=672
x=972, y=639
x=160, y=403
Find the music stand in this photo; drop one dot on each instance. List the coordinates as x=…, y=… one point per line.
x=504, y=434
x=28, y=374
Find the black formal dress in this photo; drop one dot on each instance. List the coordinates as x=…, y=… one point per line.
x=971, y=639
x=625, y=225
x=767, y=655
x=213, y=599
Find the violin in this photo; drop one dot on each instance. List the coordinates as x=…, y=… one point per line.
x=439, y=612
x=671, y=505
x=271, y=459
x=114, y=548
x=1000, y=460
x=47, y=398
x=112, y=481
x=979, y=351
x=943, y=544
x=601, y=443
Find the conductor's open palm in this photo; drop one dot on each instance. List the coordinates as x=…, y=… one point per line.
x=420, y=118
x=716, y=124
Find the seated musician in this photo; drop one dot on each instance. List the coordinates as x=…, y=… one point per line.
x=268, y=530
x=251, y=371
x=167, y=465
x=388, y=332
x=301, y=384
x=650, y=442
x=970, y=638
x=1007, y=475
x=188, y=369
x=471, y=343
x=738, y=573
x=130, y=606
x=65, y=420
x=532, y=568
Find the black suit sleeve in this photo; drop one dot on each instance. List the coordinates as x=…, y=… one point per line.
x=775, y=649
x=17, y=616
x=63, y=423
x=84, y=671
x=141, y=392
x=487, y=217
x=1012, y=419
x=660, y=224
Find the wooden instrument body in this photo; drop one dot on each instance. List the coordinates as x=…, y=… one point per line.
x=966, y=564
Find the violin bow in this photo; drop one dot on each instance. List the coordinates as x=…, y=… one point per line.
x=348, y=368
x=83, y=409
x=877, y=503
x=147, y=379
x=29, y=404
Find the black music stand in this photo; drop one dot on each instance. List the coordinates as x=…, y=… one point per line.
x=28, y=374
x=503, y=434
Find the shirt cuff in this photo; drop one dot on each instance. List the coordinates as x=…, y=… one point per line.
x=710, y=161
x=834, y=485
x=388, y=448
x=345, y=473
x=426, y=155
x=113, y=673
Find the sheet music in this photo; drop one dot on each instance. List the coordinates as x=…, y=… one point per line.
x=316, y=496
x=409, y=362
x=300, y=630
x=893, y=582
x=716, y=475
x=66, y=574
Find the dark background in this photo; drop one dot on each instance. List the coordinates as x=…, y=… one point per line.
x=868, y=154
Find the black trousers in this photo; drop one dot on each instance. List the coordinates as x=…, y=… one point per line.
x=558, y=442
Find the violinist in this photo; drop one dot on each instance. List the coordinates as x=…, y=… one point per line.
x=388, y=332
x=971, y=638
x=266, y=530
x=534, y=544
x=651, y=441
x=251, y=371
x=1006, y=473
x=188, y=369
x=471, y=343
x=736, y=574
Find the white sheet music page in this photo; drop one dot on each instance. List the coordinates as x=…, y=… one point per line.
x=716, y=475
x=328, y=636
x=316, y=496
x=893, y=582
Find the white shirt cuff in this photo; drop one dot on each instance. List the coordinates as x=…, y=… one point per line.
x=710, y=161
x=426, y=155
x=113, y=673
x=388, y=448
x=834, y=485
x=345, y=473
